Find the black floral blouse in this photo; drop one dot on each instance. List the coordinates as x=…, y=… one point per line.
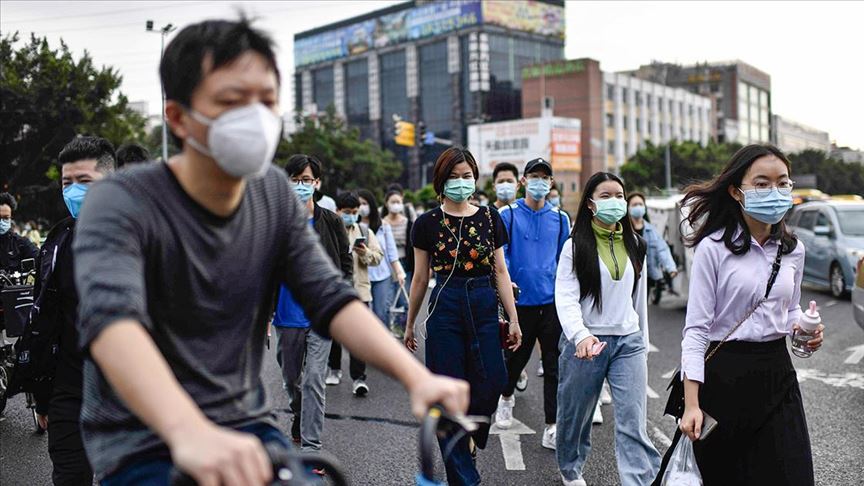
x=481, y=233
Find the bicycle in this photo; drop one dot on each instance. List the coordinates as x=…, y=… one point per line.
x=439, y=424
x=290, y=468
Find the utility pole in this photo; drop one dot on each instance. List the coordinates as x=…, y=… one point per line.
x=668, y=171
x=164, y=31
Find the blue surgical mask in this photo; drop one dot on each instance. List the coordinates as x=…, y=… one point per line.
x=73, y=196
x=637, y=212
x=349, y=219
x=768, y=208
x=459, y=190
x=5, y=226
x=506, y=191
x=304, y=191
x=537, y=188
x=555, y=201
x=610, y=210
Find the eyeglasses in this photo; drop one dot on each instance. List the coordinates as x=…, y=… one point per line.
x=763, y=188
x=308, y=181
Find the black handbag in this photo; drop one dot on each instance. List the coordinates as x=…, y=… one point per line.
x=675, y=402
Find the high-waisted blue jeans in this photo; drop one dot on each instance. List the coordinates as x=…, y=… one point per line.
x=624, y=364
x=462, y=342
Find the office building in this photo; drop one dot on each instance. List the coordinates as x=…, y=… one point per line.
x=446, y=64
x=791, y=136
x=619, y=113
x=741, y=95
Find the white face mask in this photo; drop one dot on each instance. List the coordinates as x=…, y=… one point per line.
x=395, y=208
x=242, y=141
x=364, y=210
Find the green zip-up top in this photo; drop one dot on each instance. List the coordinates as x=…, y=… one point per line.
x=610, y=246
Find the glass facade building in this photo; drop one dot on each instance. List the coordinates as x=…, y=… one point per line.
x=416, y=60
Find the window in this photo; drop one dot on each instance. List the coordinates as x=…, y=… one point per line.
x=650, y=128
x=394, y=97
x=610, y=120
x=610, y=92
x=436, y=106
x=357, y=95
x=624, y=120
x=648, y=100
x=298, y=91
x=638, y=125
x=742, y=92
x=611, y=148
x=638, y=96
x=715, y=88
x=626, y=148
x=807, y=220
x=322, y=87
x=624, y=95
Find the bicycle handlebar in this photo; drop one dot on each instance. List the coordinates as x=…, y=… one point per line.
x=290, y=468
x=439, y=424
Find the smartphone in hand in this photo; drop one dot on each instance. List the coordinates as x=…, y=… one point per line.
x=598, y=348
x=359, y=241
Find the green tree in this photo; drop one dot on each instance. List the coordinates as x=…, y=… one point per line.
x=349, y=162
x=46, y=98
x=832, y=176
x=689, y=161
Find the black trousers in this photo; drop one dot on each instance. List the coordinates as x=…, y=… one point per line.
x=761, y=436
x=538, y=322
x=71, y=467
x=356, y=368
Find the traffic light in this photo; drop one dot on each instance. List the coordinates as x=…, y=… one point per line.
x=421, y=129
x=404, y=133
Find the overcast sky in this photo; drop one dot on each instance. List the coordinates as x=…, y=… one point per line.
x=812, y=50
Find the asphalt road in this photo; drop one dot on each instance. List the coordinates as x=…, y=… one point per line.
x=375, y=437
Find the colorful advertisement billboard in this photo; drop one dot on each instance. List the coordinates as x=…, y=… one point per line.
x=416, y=23
x=427, y=20
x=555, y=138
x=525, y=15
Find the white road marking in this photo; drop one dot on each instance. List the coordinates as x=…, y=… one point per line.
x=652, y=348
x=660, y=436
x=839, y=380
x=830, y=303
x=669, y=374
x=651, y=392
x=857, y=354
x=511, y=444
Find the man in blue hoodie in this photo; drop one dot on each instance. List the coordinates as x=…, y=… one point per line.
x=537, y=231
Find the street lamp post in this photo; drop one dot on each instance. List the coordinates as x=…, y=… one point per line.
x=164, y=31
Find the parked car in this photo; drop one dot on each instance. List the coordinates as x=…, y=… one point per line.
x=833, y=234
x=858, y=295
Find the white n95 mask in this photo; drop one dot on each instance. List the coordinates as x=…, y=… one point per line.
x=242, y=141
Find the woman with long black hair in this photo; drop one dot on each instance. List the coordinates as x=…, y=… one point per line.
x=389, y=270
x=745, y=288
x=462, y=244
x=601, y=298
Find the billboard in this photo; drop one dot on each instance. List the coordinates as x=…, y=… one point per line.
x=518, y=141
x=415, y=23
x=525, y=15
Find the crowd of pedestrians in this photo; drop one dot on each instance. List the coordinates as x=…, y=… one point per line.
x=155, y=296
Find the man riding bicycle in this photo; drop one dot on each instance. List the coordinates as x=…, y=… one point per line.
x=177, y=265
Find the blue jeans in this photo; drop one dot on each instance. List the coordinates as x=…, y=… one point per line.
x=382, y=299
x=462, y=342
x=156, y=471
x=624, y=363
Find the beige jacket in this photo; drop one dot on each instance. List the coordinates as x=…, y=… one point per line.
x=374, y=255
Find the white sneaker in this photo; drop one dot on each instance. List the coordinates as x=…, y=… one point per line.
x=573, y=482
x=360, y=388
x=504, y=414
x=598, y=415
x=522, y=384
x=334, y=377
x=605, y=396
x=540, y=370
x=549, y=436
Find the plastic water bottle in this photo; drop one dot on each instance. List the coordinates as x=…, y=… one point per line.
x=809, y=323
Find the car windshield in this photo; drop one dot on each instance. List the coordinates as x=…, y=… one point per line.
x=851, y=221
